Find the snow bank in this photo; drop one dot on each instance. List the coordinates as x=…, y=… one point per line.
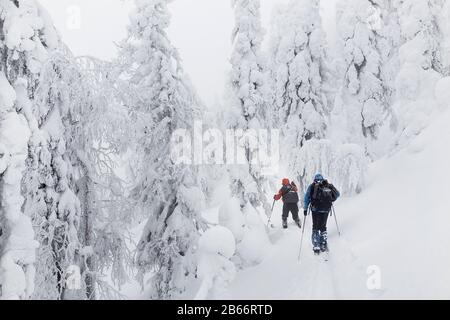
x=255, y=243
x=230, y=216
x=216, y=247
x=442, y=92
x=400, y=222
x=218, y=240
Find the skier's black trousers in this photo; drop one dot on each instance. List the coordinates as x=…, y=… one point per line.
x=290, y=207
x=320, y=221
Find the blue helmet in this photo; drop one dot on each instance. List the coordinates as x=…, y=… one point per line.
x=318, y=178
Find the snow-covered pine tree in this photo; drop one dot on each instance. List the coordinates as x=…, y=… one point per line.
x=363, y=103
x=420, y=28
x=299, y=74
x=26, y=37
x=17, y=245
x=421, y=64
x=248, y=100
x=168, y=194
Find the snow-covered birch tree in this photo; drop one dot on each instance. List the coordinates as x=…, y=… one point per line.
x=83, y=130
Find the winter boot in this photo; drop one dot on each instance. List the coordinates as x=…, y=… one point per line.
x=324, y=241
x=285, y=224
x=298, y=223
x=316, y=241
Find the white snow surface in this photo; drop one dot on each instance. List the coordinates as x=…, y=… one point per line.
x=402, y=236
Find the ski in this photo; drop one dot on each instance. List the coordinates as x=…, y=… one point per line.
x=322, y=252
x=325, y=252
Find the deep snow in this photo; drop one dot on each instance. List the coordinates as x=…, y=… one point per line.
x=397, y=227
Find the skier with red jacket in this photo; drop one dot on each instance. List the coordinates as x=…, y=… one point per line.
x=289, y=194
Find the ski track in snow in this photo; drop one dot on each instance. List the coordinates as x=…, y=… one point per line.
x=282, y=276
x=373, y=236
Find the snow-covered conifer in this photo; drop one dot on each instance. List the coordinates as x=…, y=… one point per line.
x=168, y=194
x=422, y=64
x=248, y=101
x=367, y=40
x=66, y=152
x=26, y=37
x=299, y=74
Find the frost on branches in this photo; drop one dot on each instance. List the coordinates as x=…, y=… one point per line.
x=248, y=109
x=298, y=73
x=422, y=65
x=247, y=100
x=17, y=242
x=366, y=39
x=79, y=204
x=25, y=35
x=168, y=194
x=59, y=114
x=344, y=164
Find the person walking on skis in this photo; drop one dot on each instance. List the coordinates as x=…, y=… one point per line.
x=320, y=196
x=289, y=194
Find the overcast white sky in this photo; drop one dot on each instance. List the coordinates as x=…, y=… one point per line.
x=201, y=30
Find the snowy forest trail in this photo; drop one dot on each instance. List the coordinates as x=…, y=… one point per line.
x=393, y=234
x=282, y=276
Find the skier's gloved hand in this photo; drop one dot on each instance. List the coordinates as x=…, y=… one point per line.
x=305, y=212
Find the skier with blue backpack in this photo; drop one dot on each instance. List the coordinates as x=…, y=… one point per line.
x=320, y=196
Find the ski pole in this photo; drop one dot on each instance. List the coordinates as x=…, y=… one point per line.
x=271, y=214
x=303, y=233
x=335, y=219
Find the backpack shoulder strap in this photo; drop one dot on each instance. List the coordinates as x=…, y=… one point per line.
x=315, y=190
x=284, y=190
